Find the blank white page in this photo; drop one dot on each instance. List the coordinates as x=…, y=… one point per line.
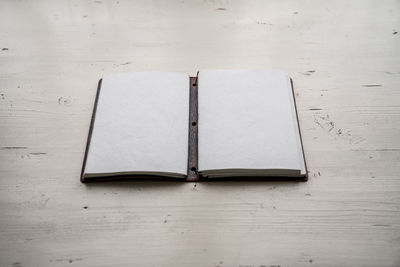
x=141, y=124
x=247, y=120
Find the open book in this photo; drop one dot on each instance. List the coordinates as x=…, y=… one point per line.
x=238, y=124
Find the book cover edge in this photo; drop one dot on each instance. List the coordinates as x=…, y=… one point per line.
x=90, y=130
x=305, y=177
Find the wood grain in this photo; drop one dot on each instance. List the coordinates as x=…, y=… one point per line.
x=344, y=60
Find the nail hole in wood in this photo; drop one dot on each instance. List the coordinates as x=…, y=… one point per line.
x=194, y=84
x=193, y=169
x=194, y=123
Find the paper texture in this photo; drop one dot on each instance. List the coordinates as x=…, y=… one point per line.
x=141, y=125
x=247, y=121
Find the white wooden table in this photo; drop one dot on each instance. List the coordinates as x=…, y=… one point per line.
x=344, y=58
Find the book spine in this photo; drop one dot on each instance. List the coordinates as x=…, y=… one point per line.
x=192, y=170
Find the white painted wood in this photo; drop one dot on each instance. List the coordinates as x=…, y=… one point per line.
x=344, y=59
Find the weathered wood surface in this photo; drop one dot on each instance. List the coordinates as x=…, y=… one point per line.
x=344, y=59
